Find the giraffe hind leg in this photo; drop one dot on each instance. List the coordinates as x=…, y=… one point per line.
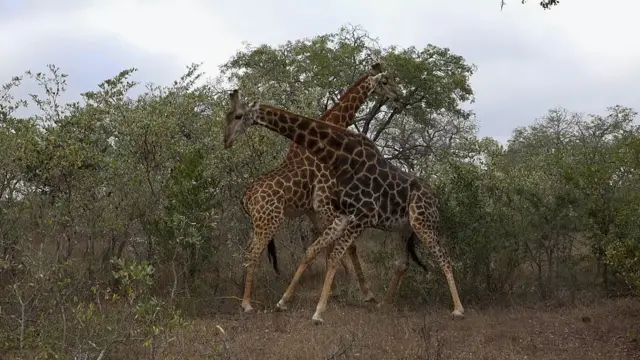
x=426, y=231
x=365, y=288
x=264, y=229
x=402, y=264
x=406, y=246
x=411, y=250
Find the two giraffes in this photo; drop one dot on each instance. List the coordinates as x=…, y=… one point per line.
x=343, y=183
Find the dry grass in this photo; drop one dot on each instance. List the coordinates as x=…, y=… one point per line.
x=604, y=329
x=595, y=329
x=599, y=331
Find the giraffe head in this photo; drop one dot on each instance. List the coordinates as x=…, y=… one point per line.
x=383, y=84
x=239, y=118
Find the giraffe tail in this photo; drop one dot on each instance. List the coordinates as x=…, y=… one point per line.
x=411, y=249
x=273, y=258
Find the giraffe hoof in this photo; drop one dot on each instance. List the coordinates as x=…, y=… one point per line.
x=317, y=319
x=247, y=309
x=457, y=314
x=281, y=306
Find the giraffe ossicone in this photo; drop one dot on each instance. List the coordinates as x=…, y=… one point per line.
x=370, y=192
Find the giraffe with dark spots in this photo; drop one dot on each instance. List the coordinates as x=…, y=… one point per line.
x=288, y=190
x=404, y=203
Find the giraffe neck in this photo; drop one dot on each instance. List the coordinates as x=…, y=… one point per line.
x=344, y=111
x=322, y=140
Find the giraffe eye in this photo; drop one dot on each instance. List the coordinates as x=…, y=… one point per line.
x=238, y=116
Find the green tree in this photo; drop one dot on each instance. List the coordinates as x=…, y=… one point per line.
x=307, y=76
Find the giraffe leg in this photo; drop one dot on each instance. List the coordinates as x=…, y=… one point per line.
x=335, y=230
x=328, y=250
x=365, y=288
x=341, y=245
x=324, y=214
x=264, y=229
x=319, y=221
x=402, y=264
x=425, y=229
x=318, y=226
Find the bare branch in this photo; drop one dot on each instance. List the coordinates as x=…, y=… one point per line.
x=384, y=125
x=372, y=114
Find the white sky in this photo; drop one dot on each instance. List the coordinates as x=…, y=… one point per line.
x=579, y=55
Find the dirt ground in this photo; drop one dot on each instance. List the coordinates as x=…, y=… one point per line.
x=606, y=330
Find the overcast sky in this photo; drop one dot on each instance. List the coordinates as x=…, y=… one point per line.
x=580, y=55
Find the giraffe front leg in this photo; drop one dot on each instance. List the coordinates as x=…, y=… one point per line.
x=365, y=288
x=322, y=216
x=341, y=244
x=328, y=251
x=343, y=262
x=334, y=230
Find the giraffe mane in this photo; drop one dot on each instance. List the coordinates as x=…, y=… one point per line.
x=349, y=133
x=291, y=113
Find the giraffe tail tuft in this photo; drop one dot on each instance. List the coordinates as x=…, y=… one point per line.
x=411, y=249
x=273, y=258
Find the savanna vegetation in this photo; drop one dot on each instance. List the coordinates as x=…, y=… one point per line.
x=122, y=234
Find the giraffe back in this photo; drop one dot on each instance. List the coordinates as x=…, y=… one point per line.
x=367, y=186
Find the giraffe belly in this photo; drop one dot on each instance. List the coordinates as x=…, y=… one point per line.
x=294, y=212
x=390, y=223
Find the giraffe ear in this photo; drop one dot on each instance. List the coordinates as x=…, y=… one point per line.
x=254, y=105
x=376, y=68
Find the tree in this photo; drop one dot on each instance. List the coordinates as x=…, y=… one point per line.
x=307, y=76
x=117, y=210
x=545, y=4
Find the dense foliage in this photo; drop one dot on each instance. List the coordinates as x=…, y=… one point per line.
x=118, y=213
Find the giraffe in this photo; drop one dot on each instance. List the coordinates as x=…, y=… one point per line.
x=369, y=192
x=288, y=191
